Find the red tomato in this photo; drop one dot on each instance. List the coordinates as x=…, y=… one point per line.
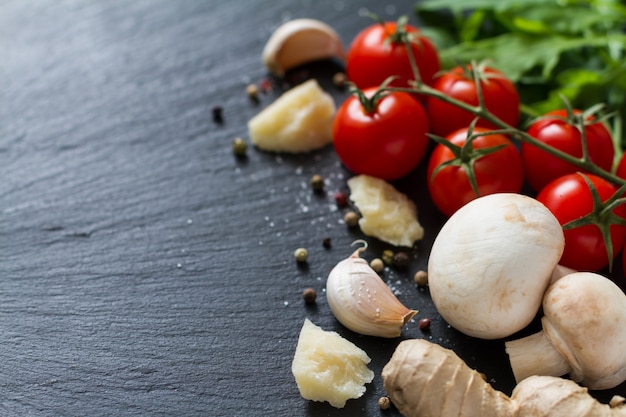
x=569, y=198
x=379, y=52
x=554, y=130
x=497, y=172
x=387, y=142
x=499, y=93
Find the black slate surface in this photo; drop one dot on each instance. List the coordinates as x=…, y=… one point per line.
x=144, y=270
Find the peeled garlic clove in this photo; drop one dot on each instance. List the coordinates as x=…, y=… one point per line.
x=362, y=302
x=299, y=41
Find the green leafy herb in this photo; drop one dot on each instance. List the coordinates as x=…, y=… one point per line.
x=553, y=49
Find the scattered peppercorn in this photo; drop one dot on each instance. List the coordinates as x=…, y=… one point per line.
x=327, y=243
x=341, y=199
x=387, y=256
x=317, y=183
x=401, y=260
x=309, y=295
x=253, y=91
x=421, y=278
x=301, y=255
x=340, y=79
x=240, y=147
x=384, y=403
x=377, y=265
x=424, y=324
x=218, y=116
x=266, y=85
x=351, y=218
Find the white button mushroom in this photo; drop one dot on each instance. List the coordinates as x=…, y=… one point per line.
x=491, y=263
x=584, y=334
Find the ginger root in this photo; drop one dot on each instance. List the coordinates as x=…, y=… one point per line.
x=559, y=397
x=424, y=379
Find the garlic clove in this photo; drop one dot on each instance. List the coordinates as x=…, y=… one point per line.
x=299, y=41
x=362, y=302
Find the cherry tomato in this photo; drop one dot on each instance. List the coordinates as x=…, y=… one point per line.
x=497, y=172
x=569, y=198
x=554, y=130
x=499, y=94
x=379, y=52
x=387, y=140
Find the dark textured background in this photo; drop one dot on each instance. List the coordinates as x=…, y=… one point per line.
x=144, y=270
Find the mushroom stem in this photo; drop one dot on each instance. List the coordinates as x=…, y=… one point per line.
x=583, y=333
x=535, y=355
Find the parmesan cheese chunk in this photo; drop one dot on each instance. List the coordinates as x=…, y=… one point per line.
x=386, y=213
x=328, y=367
x=298, y=121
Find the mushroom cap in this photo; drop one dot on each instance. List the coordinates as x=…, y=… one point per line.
x=584, y=319
x=491, y=263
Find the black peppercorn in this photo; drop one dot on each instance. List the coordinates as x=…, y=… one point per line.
x=309, y=295
x=217, y=114
x=401, y=260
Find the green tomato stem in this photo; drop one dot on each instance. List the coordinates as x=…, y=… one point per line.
x=481, y=111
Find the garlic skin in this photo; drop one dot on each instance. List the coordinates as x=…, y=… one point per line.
x=362, y=302
x=491, y=263
x=299, y=41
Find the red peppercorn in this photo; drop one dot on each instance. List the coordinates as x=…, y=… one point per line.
x=424, y=324
x=341, y=199
x=266, y=85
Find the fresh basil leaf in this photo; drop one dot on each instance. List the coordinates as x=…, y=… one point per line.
x=550, y=48
x=516, y=54
x=557, y=19
x=457, y=6
x=471, y=26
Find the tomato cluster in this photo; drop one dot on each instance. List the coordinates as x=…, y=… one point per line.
x=570, y=198
x=568, y=193
x=385, y=133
